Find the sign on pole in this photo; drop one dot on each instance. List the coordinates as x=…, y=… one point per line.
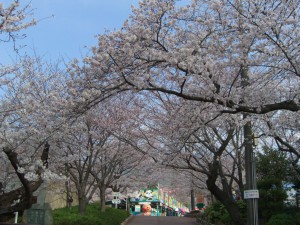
x=116, y=201
x=251, y=194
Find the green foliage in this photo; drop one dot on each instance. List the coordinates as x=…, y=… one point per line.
x=297, y=217
x=271, y=201
x=272, y=163
x=282, y=219
x=214, y=212
x=272, y=171
x=200, y=205
x=217, y=212
x=243, y=208
x=93, y=216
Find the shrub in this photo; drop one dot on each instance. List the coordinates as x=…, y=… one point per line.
x=93, y=216
x=281, y=219
x=297, y=217
x=217, y=212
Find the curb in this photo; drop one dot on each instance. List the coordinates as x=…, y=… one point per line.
x=127, y=220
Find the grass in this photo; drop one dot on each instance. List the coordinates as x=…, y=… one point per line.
x=93, y=216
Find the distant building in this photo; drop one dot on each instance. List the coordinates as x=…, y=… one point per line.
x=156, y=202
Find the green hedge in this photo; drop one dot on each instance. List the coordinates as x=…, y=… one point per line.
x=282, y=219
x=217, y=213
x=93, y=216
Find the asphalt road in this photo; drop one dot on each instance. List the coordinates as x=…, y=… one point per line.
x=161, y=220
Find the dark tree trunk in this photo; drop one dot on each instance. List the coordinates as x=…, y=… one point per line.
x=24, y=193
x=102, y=198
x=69, y=198
x=82, y=202
x=229, y=204
x=224, y=195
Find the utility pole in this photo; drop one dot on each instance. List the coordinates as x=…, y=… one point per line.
x=251, y=192
x=192, y=193
x=192, y=199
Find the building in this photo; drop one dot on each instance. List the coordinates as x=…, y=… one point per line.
x=156, y=202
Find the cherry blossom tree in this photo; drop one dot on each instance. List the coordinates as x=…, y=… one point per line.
x=121, y=156
x=283, y=128
x=31, y=110
x=14, y=18
x=211, y=152
x=198, y=52
x=235, y=57
x=81, y=146
x=116, y=169
x=95, y=149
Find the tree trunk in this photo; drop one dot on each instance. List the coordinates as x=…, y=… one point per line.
x=69, y=198
x=102, y=198
x=226, y=199
x=81, y=206
x=82, y=202
x=231, y=207
x=25, y=193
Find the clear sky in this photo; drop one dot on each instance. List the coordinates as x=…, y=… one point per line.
x=73, y=26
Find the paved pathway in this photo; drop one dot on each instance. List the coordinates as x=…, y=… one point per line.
x=161, y=220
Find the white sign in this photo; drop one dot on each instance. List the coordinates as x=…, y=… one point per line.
x=116, y=201
x=251, y=194
x=116, y=194
x=137, y=208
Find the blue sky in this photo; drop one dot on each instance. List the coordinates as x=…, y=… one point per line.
x=73, y=26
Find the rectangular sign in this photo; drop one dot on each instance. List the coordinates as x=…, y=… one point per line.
x=137, y=208
x=148, y=195
x=116, y=201
x=251, y=194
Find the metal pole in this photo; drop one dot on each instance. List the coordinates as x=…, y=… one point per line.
x=250, y=167
x=192, y=199
x=16, y=217
x=17, y=213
